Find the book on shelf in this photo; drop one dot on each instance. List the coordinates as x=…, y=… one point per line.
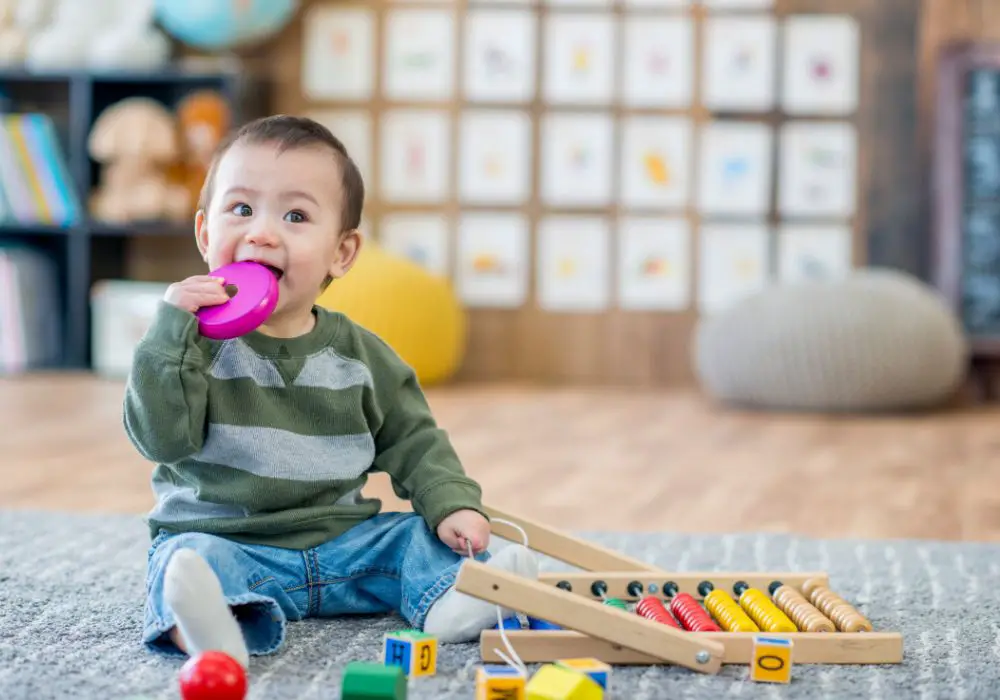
x=30, y=335
x=35, y=182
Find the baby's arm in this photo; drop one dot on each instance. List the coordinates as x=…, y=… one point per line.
x=166, y=394
x=419, y=458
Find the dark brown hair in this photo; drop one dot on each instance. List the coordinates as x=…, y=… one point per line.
x=288, y=132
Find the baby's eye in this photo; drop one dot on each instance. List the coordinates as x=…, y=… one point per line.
x=296, y=217
x=242, y=209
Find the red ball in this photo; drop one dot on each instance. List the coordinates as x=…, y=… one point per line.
x=213, y=676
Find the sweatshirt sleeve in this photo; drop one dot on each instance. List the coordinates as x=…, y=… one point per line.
x=167, y=390
x=415, y=452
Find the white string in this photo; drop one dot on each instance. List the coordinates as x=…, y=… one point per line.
x=514, y=662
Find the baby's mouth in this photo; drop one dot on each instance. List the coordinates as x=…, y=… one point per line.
x=278, y=274
x=276, y=271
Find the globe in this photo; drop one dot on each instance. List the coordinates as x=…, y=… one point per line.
x=216, y=25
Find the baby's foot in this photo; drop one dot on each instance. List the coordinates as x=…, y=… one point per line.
x=193, y=592
x=457, y=617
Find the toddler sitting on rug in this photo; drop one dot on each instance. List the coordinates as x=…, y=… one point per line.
x=262, y=444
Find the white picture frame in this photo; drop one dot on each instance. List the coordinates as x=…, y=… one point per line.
x=579, y=58
x=715, y=5
x=821, y=73
x=419, y=50
x=492, y=260
x=424, y=239
x=733, y=262
x=338, y=54
x=658, y=61
x=817, y=170
x=355, y=129
x=740, y=63
x=573, y=264
x=415, y=162
x=814, y=252
x=735, y=168
x=495, y=156
x=655, y=162
x=654, y=263
x=500, y=55
x=577, y=152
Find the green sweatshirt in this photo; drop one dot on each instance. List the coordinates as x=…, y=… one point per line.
x=270, y=440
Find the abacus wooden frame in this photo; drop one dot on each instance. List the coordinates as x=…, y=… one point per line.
x=620, y=572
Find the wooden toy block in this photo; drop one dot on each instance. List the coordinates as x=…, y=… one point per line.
x=500, y=683
x=411, y=650
x=772, y=660
x=589, y=617
x=556, y=683
x=365, y=680
x=598, y=671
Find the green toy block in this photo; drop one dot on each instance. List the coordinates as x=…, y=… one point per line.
x=365, y=680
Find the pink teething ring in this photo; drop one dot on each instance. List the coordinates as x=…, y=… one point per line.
x=255, y=299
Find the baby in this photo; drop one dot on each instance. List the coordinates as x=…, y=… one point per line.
x=263, y=444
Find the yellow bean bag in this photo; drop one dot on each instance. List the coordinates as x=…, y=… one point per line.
x=415, y=312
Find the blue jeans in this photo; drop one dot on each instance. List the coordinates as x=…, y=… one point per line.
x=389, y=563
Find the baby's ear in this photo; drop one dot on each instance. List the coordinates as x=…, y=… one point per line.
x=201, y=232
x=348, y=248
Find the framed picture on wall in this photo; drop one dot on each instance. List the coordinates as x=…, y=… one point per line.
x=573, y=264
x=817, y=170
x=421, y=238
x=499, y=55
x=493, y=260
x=415, y=165
x=654, y=263
x=338, y=53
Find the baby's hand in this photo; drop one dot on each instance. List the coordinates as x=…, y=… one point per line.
x=465, y=526
x=195, y=292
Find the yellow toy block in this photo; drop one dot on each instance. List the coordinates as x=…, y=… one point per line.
x=553, y=682
x=414, y=651
x=598, y=671
x=497, y=682
x=772, y=660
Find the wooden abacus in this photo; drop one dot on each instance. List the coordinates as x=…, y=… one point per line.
x=575, y=602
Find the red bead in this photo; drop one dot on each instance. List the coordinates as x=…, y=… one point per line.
x=213, y=676
x=692, y=616
x=651, y=608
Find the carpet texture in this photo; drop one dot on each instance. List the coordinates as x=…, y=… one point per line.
x=71, y=601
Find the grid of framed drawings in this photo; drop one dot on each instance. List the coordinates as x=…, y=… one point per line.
x=582, y=156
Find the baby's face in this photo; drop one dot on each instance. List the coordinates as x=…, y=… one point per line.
x=279, y=209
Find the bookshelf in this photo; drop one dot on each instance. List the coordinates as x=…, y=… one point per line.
x=90, y=250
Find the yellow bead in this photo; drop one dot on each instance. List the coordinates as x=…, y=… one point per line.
x=552, y=682
x=413, y=651
x=500, y=683
x=772, y=660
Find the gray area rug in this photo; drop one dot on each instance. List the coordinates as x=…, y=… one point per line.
x=71, y=591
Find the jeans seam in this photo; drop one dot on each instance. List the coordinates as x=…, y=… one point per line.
x=430, y=597
x=317, y=583
x=258, y=584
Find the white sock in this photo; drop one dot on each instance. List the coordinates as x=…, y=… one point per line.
x=194, y=594
x=457, y=617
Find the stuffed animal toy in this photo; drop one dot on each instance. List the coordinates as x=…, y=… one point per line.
x=63, y=42
x=203, y=119
x=18, y=20
x=135, y=140
x=132, y=40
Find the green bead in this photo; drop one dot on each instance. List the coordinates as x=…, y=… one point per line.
x=365, y=680
x=616, y=603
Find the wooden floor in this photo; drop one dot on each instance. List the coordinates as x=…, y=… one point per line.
x=621, y=460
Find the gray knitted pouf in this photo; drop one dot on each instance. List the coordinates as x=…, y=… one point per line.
x=877, y=340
